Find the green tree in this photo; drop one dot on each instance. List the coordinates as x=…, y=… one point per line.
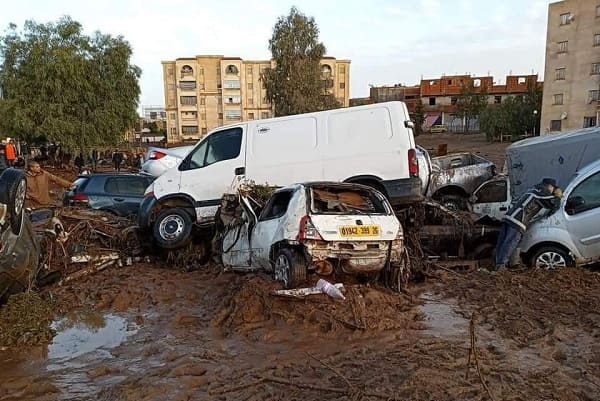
x=418, y=117
x=515, y=116
x=71, y=88
x=296, y=84
x=471, y=103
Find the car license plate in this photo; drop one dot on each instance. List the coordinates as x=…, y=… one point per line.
x=359, y=231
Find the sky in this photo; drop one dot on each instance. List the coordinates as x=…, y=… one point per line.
x=387, y=41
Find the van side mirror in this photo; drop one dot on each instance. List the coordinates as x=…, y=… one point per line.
x=409, y=124
x=574, y=204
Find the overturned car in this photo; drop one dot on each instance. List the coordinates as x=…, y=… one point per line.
x=19, y=247
x=322, y=228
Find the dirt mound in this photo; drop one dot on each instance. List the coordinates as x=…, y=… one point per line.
x=26, y=319
x=252, y=305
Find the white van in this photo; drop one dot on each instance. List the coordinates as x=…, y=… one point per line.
x=372, y=145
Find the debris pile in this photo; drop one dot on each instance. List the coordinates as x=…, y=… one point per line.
x=25, y=320
x=76, y=242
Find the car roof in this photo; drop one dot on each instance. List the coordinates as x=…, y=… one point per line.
x=115, y=175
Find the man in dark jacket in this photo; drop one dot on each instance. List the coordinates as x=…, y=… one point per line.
x=545, y=195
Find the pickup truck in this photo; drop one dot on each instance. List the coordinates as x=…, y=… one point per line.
x=453, y=178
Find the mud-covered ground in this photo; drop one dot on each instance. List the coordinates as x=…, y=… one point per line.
x=154, y=332
x=147, y=332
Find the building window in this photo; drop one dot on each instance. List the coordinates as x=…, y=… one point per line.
x=449, y=82
x=589, y=122
x=188, y=100
x=563, y=47
x=231, y=69
x=453, y=100
x=594, y=95
x=432, y=101
x=187, y=85
x=231, y=84
x=265, y=100
x=233, y=114
x=498, y=99
x=560, y=73
x=565, y=18
x=233, y=99
x=555, y=125
x=595, y=68
x=264, y=114
x=342, y=69
x=557, y=99
x=189, y=129
x=476, y=83
x=201, y=86
x=249, y=69
x=186, y=71
x=171, y=87
x=597, y=39
x=342, y=85
x=326, y=70
x=173, y=131
x=250, y=86
x=170, y=72
x=202, y=101
x=203, y=116
x=250, y=116
x=250, y=101
x=200, y=70
x=220, y=116
x=189, y=115
x=172, y=116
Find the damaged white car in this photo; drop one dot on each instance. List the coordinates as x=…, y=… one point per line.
x=322, y=228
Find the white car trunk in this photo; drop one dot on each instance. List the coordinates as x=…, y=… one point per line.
x=356, y=227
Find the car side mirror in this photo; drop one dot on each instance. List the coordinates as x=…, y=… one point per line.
x=574, y=204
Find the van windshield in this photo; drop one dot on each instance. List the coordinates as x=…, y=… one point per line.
x=344, y=200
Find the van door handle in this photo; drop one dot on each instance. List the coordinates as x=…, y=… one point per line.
x=118, y=199
x=503, y=208
x=240, y=171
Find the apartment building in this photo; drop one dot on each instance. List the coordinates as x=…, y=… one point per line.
x=572, y=72
x=207, y=91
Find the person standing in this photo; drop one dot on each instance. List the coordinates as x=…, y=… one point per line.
x=94, y=159
x=38, y=185
x=79, y=162
x=117, y=159
x=11, y=153
x=545, y=195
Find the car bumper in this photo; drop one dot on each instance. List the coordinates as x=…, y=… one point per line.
x=145, y=212
x=404, y=191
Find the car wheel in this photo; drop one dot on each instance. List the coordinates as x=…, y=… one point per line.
x=13, y=188
x=551, y=258
x=172, y=228
x=289, y=268
x=453, y=202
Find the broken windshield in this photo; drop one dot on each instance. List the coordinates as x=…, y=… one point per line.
x=343, y=200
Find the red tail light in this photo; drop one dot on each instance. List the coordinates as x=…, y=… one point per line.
x=308, y=230
x=80, y=198
x=413, y=163
x=155, y=155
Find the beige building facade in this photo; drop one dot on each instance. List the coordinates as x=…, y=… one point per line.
x=207, y=91
x=572, y=73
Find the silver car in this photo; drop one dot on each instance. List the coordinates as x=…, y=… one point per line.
x=570, y=235
x=159, y=160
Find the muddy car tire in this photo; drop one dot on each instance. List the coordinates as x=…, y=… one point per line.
x=289, y=268
x=172, y=228
x=13, y=188
x=453, y=202
x=551, y=258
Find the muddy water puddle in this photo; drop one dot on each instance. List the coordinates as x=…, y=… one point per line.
x=441, y=319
